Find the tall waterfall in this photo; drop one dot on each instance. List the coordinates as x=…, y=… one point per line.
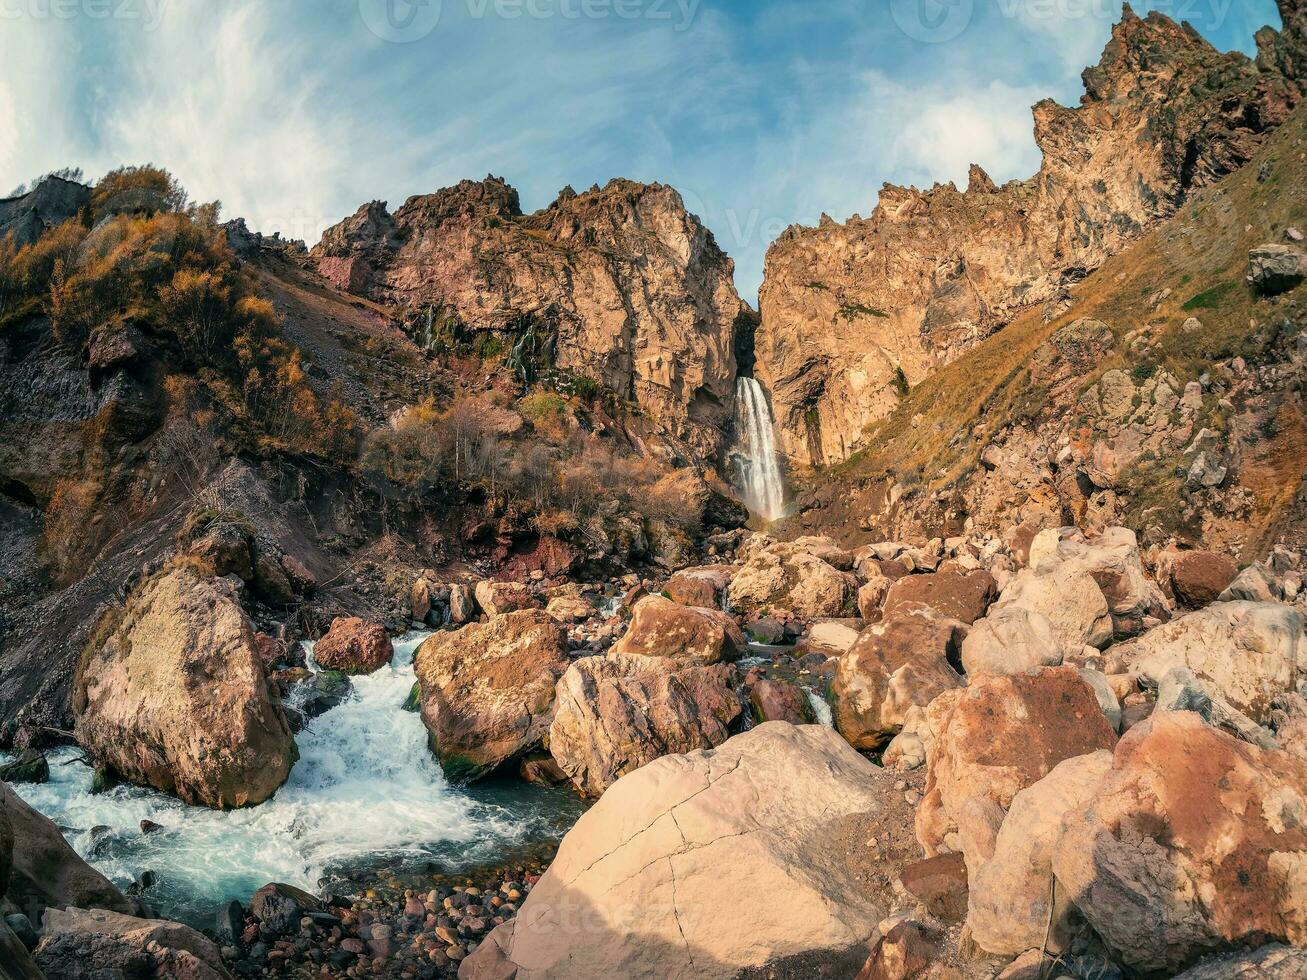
x=755, y=457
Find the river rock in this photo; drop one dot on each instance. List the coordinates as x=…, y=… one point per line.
x=43, y=869
x=487, y=690
x=1010, y=640
x=1191, y=842
x=462, y=604
x=1244, y=652
x=784, y=578
x=279, y=907
x=570, y=609
x=998, y=736
x=1199, y=577
x=174, y=696
x=663, y=628
x=951, y=592
x=498, y=598
x=703, y=587
x=90, y=945
x=615, y=714
x=741, y=858
x=354, y=646
x=904, y=661
x=831, y=637
x=1008, y=901
x=30, y=767
x=773, y=700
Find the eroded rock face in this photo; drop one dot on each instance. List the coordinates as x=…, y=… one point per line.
x=621, y=285
x=1192, y=841
x=995, y=738
x=1245, y=653
x=894, y=665
x=487, y=690
x=850, y=312
x=175, y=696
x=687, y=635
x=87, y=945
x=649, y=882
x=354, y=646
x=613, y=715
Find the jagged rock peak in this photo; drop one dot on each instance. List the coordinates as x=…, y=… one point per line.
x=852, y=312
x=621, y=283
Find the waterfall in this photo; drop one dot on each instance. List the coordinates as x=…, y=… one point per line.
x=756, y=460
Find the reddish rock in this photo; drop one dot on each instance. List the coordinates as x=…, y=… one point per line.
x=901, y=954
x=548, y=555
x=998, y=736
x=700, y=586
x=1199, y=577
x=354, y=646
x=779, y=701
x=1193, y=841
x=952, y=592
x=939, y=883
x=663, y=628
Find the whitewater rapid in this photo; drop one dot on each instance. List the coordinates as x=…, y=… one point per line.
x=366, y=792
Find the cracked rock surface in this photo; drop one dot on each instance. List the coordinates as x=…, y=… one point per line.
x=676, y=870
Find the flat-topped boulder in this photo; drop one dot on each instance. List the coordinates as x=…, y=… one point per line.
x=172, y=694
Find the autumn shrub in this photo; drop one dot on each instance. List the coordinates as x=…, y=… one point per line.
x=66, y=538
x=147, y=190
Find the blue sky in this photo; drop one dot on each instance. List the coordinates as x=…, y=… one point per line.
x=762, y=113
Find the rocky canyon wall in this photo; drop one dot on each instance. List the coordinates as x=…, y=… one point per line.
x=854, y=313
x=621, y=285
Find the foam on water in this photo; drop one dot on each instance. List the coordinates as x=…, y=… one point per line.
x=366, y=791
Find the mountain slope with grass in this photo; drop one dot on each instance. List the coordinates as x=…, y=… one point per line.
x=1167, y=395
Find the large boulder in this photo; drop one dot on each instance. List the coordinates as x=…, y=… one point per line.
x=1199, y=577
x=1111, y=558
x=172, y=694
x=1274, y=268
x=663, y=628
x=615, y=714
x=487, y=690
x=952, y=592
x=43, y=869
x=702, y=587
x=96, y=945
x=904, y=661
x=1068, y=597
x=498, y=598
x=1244, y=652
x=354, y=646
x=1009, y=892
x=1010, y=640
x=785, y=578
x=993, y=739
x=1193, y=841
x=716, y=864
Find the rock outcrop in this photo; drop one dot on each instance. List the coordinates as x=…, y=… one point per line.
x=652, y=881
x=615, y=714
x=174, y=696
x=50, y=203
x=487, y=690
x=1192, y=841
x=854, y=313
x=621, y=285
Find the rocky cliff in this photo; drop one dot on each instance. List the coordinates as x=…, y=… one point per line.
x=622, y=286
x=853, y=314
